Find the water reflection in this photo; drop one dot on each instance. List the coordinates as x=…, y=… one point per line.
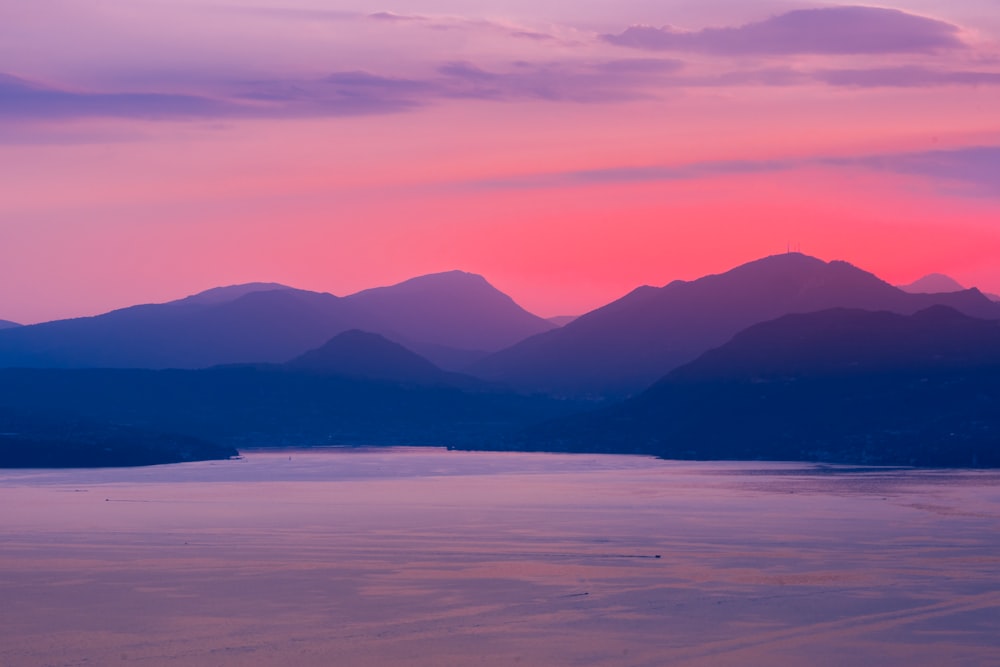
x=430, y=557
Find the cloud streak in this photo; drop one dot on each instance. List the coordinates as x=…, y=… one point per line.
x=972, y=170
x=358, y=92
x=23, y=99
x=830, y=30
x=905, y=77
x=976, y=169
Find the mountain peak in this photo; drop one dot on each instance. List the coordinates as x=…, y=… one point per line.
x=363, y=354
x=455, y=278
x=933, y=283
x=627, y=344
x=478, y=315
x=217, y=295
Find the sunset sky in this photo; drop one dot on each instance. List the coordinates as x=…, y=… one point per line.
x=568, y=150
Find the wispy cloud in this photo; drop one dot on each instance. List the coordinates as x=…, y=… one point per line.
x=24, y=99
x=393, y=17
x=292, y=13
x=905, y=77
x=830, y=30
x=432, y=22
x=358, y=92
x=968, y=171
x=582, y=82
x=971, y=170
x=632, y=174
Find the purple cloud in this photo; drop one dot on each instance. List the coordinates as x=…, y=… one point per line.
x=344, y=94
x=909, y=76
x=975, y=169
x=643, y=174
x=611, y=81
x=830, y=30
x=967, y=171
x=390, y=16
x=905, y=77
x=290, y=13
x=24, y=99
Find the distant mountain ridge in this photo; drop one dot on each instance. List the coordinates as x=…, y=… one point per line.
x=455, y=309
x=436, y=315
x=839, y=385
x=231, y=293
x=626, y=345
x=7, y=324
x=936, y=283
x=933, y=283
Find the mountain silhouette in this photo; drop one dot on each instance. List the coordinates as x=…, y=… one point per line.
x=454, y=316
x=625, y=346
x=231, y=292
x=264, y=326
x=362, y=354
x=454, y=309
x=838, y=385
x=933, y=283
x=6, y=324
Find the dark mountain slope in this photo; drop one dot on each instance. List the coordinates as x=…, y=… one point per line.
x=32, y=439
x=274, y=406
x=624, y=346
x=266, y=326
x=838, y=385
x=361, y=354
x=7, y=324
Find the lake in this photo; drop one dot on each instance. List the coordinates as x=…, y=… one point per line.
x=434, y=557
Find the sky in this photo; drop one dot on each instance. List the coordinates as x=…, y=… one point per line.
x=568, y=151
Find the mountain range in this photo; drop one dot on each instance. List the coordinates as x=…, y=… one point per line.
x=935, y=283
x=839, y=385
x=6, y=324
x=784, y=357
x=451, y=318
x=626, y=345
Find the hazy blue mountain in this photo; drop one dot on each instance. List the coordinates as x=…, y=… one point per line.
x=267, y=326
x=231, y=292
x=453, y=317
x=562, y=320
x=933, y=283
x=454, y=309
x=6, y=324
x=838, y=385
x=362, y=354
x=623, y=347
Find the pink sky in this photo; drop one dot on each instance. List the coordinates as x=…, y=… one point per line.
x=568, y=151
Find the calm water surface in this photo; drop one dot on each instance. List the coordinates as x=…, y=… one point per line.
x=430, y=557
